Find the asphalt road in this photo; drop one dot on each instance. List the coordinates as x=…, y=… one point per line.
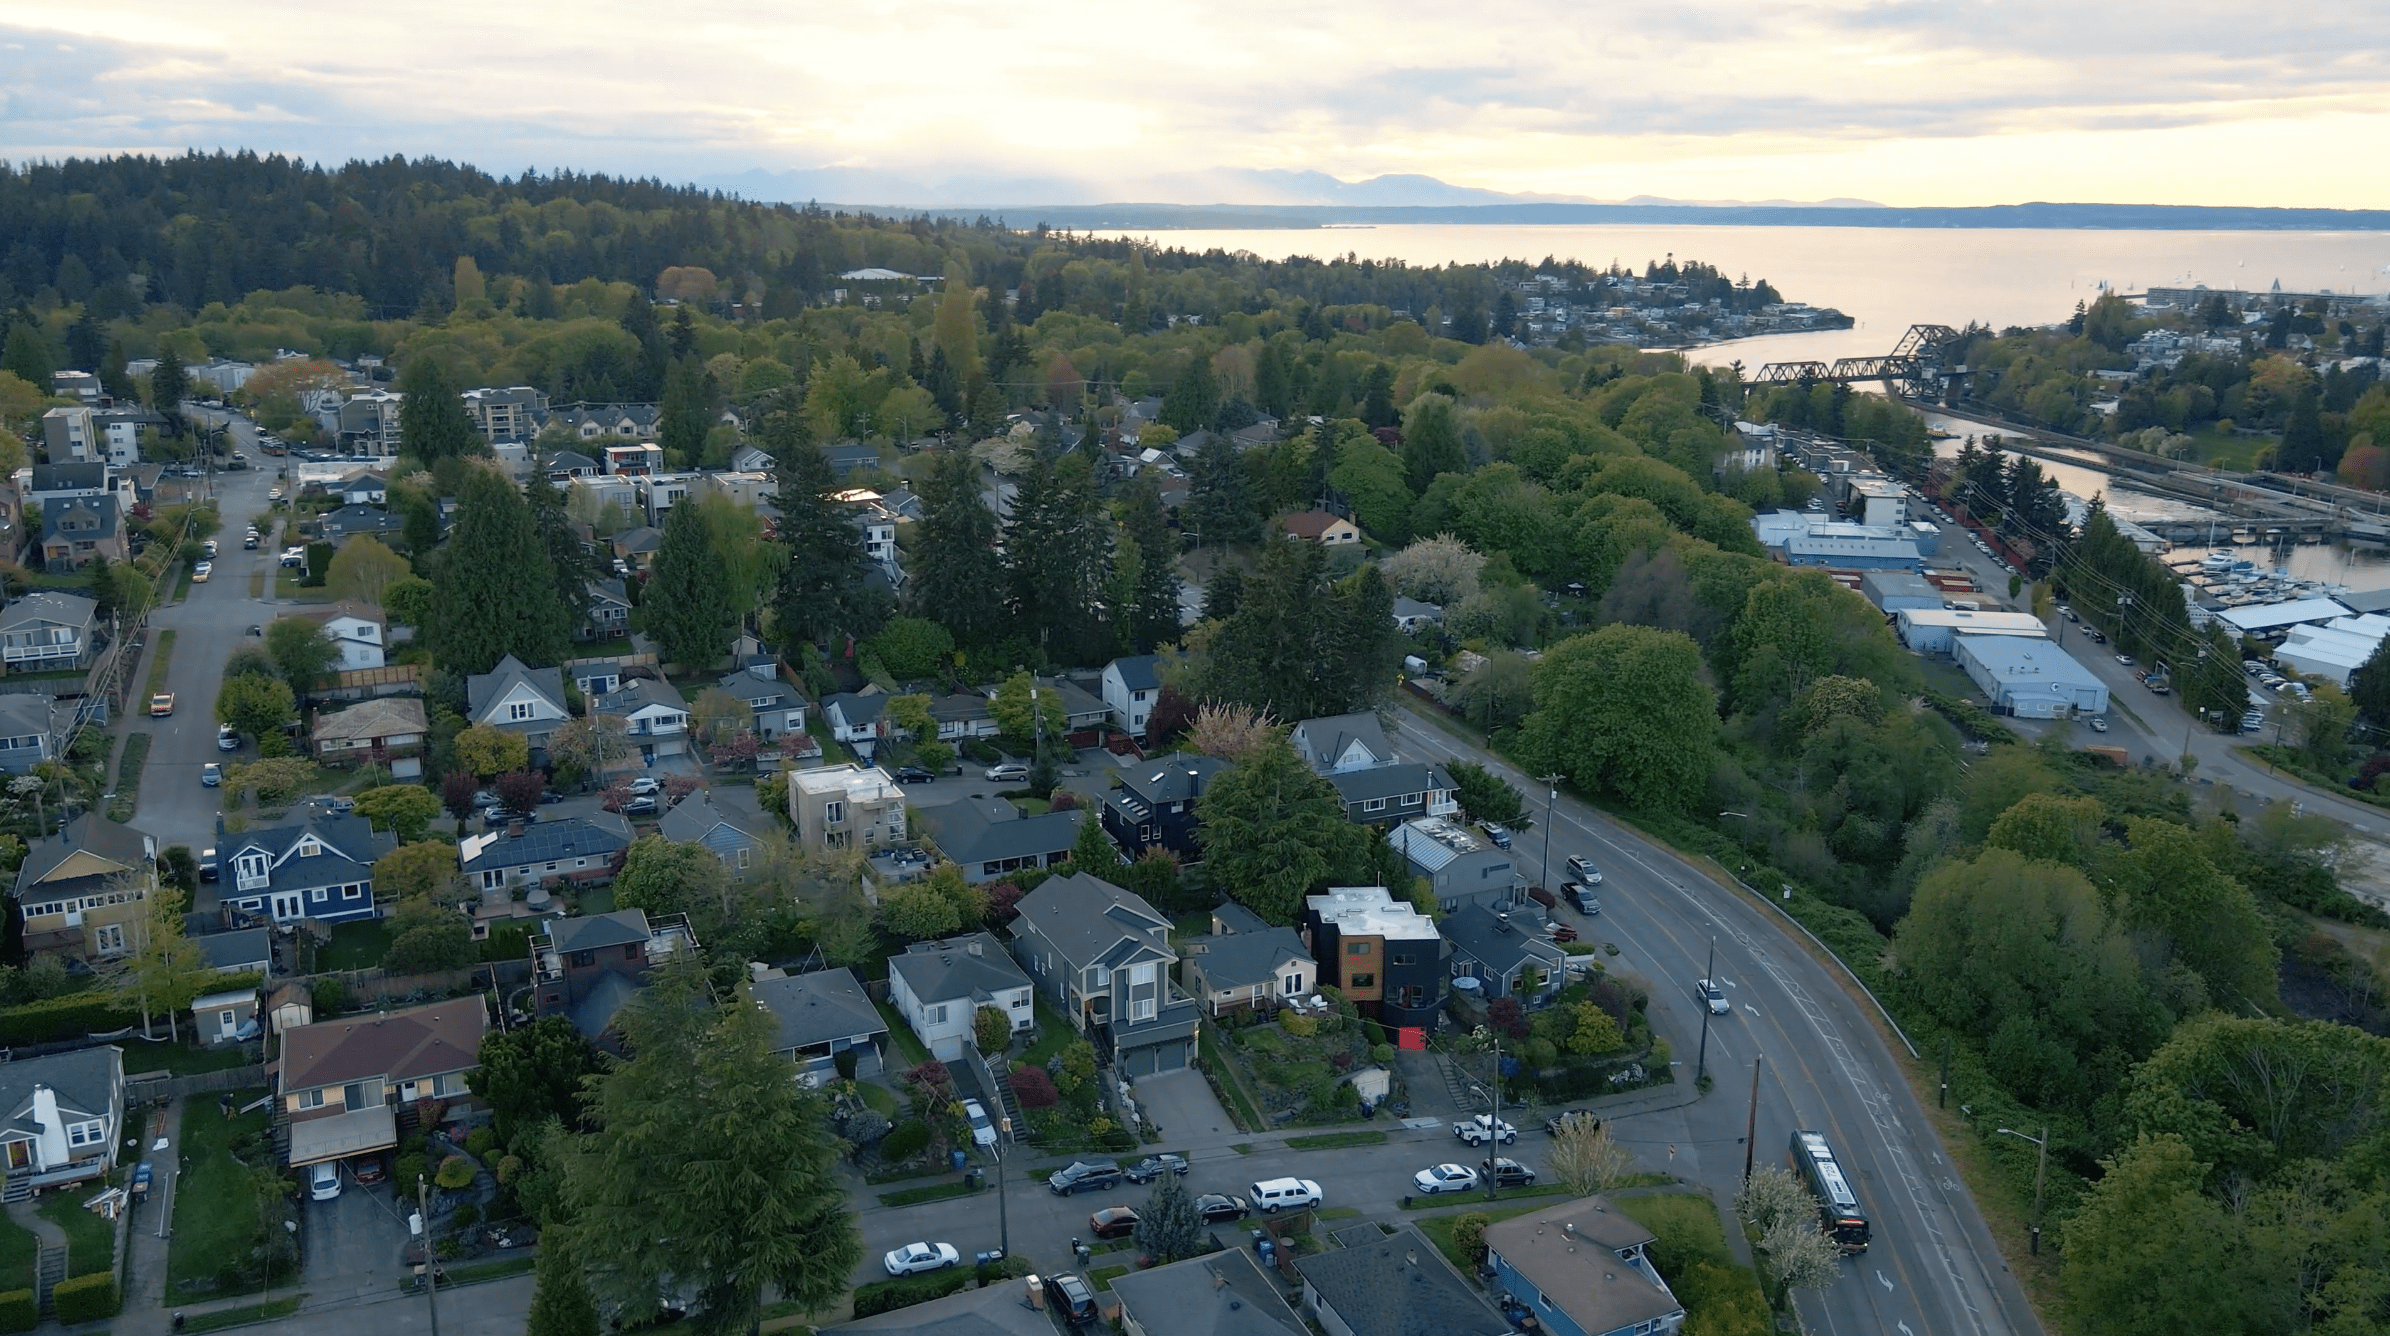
x=1933, y=1267
x=208, y=626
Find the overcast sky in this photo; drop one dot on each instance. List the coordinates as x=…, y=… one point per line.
x=1959, y=102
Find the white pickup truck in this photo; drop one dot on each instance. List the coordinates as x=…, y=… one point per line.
x=1483, y=1128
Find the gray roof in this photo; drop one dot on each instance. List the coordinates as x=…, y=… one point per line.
x=237, y=950
x=997, y=1310
x=111, y=840
x=1091, y=921
x=943, y=971
x=817, y=1008
x=1410, y=607
x=645, y=538
x=776, y=694
x=85, y=1082
x=1571, y=1253
x=1400, y=1286
x=1176, y=777
x=1241, y=959
x=1390, y=781
x=1230, y=917
x=1484, y=936
x=611, y=591
x=693, y=818
x=638, y=693
x=1220, y=1294
x=598, y=834
x=362, y=519
x=351, y=843
x=594, y=1014
x=858, y=708
x=47, y=605
x=95, y=516
x=596, y=932
x=960, y=707
x=1138, y=672
x=23, y=714
x=969, y=833
x=70, y=477
x=485, y=689
x=1324, y=739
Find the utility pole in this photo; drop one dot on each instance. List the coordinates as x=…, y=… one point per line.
x=1709, y=976
x=1003, y=1207
x=2041, y=1169
x=1942, y=1100
x=1551, y=797
x=1751, y=1126
x=1494, y=1133
x=431, y=1262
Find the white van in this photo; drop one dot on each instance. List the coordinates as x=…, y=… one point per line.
x=1276, y=1193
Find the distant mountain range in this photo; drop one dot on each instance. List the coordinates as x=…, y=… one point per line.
x=1303, y=199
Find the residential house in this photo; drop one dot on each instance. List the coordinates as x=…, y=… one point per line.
x=228, y=1017
x=1397, y=1285
x=633, y=461
x=319, y=866
x=366, y=424
x=1224, y=1293
x=25, y=731
x=529, y=701
x=1378, y=787
x=1132, y=685
x=1105, y=956
x=360, y=631
x=903, y=504
x=65, y=481
x=1507, y=958
x=695, y=820
x=1583, y=1268
x=340, y=1080
x=1152, y=804
x=849, y=459
x=568, y=464
x=1462, y=869
x=854, y=718
x=587, y=497
x=509, y=414
x=637, y=547
x=747, y=491
x=64, y=1118
x=845, y=807
x=367, y=487
x=585, y=968
x=989, y=838
x=79, y=530
x=81, y=892
x=659, y=492
x=994, y=1310
x=751, y=459
x=341, y=525
x=1412, y=616
x=939, y=986
x=568, y=849
x=609, y=611
x=779, y=708
x=241, y=951
x=875, y=529
x=597, y=422
x=820, y=1016
x=375, y=731
x=1323, y=528
x=46, y=630
x=1383, y=954
x=1244, y=963
x=962, y=716
x=80, y=386
x=654, y=717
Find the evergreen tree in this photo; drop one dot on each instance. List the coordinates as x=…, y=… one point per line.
x=1219, y=507
x=1193, y=402
x=168, y=384
x=494, y=593
x=684, y=335
x=821, y=587
x=955, y=563
x=655, y=351
x=688, y=411
x=943, y=388
x=1224, y=594
x=1272, y=831
x=432, y=423
x=571, y=564
x=115, y=381
x=1431, y=442
x=1055, y=554
x=560, y=1302
x=1270, y=653
x=1154, y=617
x=1377, y=399
x=686, y=605
x=27, y=353
x=986, y=409
x=1360, y=666
x=2369, y=687
x=2304, y=445
x=86, y=343
x=1273, y=383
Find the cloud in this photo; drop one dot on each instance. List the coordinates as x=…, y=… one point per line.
x=1908, y=102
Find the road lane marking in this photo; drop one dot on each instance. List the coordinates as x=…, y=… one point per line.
x=1883, y=1280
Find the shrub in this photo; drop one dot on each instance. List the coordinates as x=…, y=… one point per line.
x=1381, y=1054
x=886, y=1296
x=407, y=1170
x=991, y=1029
x=1034, y=1088
x=456, y=1172
x=910, y=1138
x=68, y=1017
x=86, y=1298
x=1468, y=1236
x=18, y=1312
x=1298, y=1024
x=845, y=1060
x=479, y=1141
x=465, y=1216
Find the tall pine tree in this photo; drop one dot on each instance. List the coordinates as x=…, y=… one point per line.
x=495, y=593
x=1193, y=402
x=955, y=563
x=1057, y=553
x=687, y=411
x=821, y=587
x=432, y=422
x=686, y=605
x=1153, y=618
x=571, y=566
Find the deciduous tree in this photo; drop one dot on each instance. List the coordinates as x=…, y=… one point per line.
x=405, y=809
x=486, y=750
x=302, y=652
x=363, y=569
x=1586, y=1158
x=255, y=705
x=1624, y=711
x=422, y=870
x=1169, y=1228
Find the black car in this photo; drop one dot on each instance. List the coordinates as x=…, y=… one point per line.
x=913, y=774
x=1215, y=1207
x=1151, y=1167
x=1084, y=1175
x=1505, y=1172
x=643, y=805
x=1581, y=897
x=1072, y=1296
x=1558, y=1121
x=547, y=796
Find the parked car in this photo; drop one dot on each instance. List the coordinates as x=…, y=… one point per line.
x=249, y=543
x=915, y=1258
x=1072, y=1297
x=1581, y=895
x=1483, y=1128
x=227, y=739
x=983, y=1132
x=1496, y=833
x=211, y=774
x=1151, y=1167
x=643, y=805
x=1585, y=870
x=1444, y=1178
x=368, y=1170
x=2098, y=725
x=1008, y=771
x=1112, y=1222
x=1558, y=931
x=645, y=785
x=207, y=865
x=1215, y=1207
x=913, y=774
x=1274, y=1193
x=1566, y=1118
x=209, y=547
x=323, y=1180
x=1083, y=1175
x=1712, y=996
x=1504, y=1172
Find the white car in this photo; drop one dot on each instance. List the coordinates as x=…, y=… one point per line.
x=915, y=1258
x=323, y=1180
x=1712, y=996
x=1445, y=1178
x=643, y=786
x=202, y=571
x=2098, y=725
x=983, y=1132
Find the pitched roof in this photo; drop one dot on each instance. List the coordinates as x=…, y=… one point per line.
x=94, y=515
x=362, y=519
x=1219, y=1294
x=1389, y=781
x=1570, y=1253
x=597, y=835
x=1399, y=1286
x=23, y=714
x=640, y=693
x=47, y=605
x=968, y=832
x=485, y=690
x=856, y=707
x=1241, y=959
x=118, y=843
x=1495, y=942
x=379, y=717
x=594, y=1014
x=1313, y=523
x=399, y=1045
x=349, y=845
x=942, y=971
x=693, y=817
x=817, y=1008
x=236, y=950
x=596, y=932
x=84, y=1082
x=1138, y=672
x=645, y=538
x=1091, y=921
x=1325, y=740
x=1177, y=777
x=347, y=607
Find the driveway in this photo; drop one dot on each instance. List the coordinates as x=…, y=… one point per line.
x=1181, y=1103
x=352, y=1243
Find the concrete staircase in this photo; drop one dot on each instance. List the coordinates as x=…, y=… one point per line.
x=48, y=1270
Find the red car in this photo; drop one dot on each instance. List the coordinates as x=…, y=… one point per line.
x=1112, y=1222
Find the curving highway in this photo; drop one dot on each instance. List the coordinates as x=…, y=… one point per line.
x=1933, y=1269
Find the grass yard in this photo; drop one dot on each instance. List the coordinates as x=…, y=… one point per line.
x=243, y=1315
x=1103, y=1276
x=216, y=1206
x=1336, y=1140
x=1054, y=1033
x=90, y=1240
x=159, y=659
x=1689, y=1248
x=902, y=1033
x=180, y=1059
x=481, y=1271
x=1438, y=1229
x=878, y=1098
x=355, y=946
x=18, y=1248
x=1229, y=1080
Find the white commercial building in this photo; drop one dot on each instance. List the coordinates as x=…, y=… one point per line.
x=2259, y=618
x=2029, y=678
x=1932, y=630
x=2335, y=650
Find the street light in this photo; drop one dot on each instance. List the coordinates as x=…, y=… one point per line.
x=1709, y=978
x=1551, y=785
x=2041, y=1165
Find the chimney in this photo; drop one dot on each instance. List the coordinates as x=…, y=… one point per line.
x=973, y=946
x=1412, y=1257
x=514, y=830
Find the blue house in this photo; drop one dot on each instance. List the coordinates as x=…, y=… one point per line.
x=695, y=820
x=1582, y=1269
x=320, y=867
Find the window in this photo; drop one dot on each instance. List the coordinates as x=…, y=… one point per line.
x=834, y=812
x=86, y=1134
x=1413, y=799
x=1362, y=980
x=228, y=1018
x=1291, y=985
x=518, y=712
x=1141, y=974
x=1356, y=948
x=352, y=891
x=1141, y=1010
x=937, y=1014
x=319, y=895
x=1021, y=1003
x=311, y=1099
x=631, y=952
x=1374, y=805
x=1099, y=977
x=355, y=1094
x=110, y=938
x=740, y=861
x=583, y=959
x=1402, y=958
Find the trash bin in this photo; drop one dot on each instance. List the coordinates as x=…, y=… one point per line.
x=960, y=1160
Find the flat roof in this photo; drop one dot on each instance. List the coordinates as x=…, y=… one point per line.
x=2023, y=659
x=1981, y=623
x=2266, y=616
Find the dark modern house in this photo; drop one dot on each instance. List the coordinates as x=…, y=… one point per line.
x=1383, y=954
x=586, y=968
x=1152, y=804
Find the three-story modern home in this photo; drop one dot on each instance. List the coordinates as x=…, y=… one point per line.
x=1152, y=803
x=1383, y=954
x=1104, y=955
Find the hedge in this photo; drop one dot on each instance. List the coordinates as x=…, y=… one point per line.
x=67, y=1017
x=86, y=1298
x=886, y=1296
x=18, y=1312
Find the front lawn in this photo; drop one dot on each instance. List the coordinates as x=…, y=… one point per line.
x=1054, y=1033
x=1298, y=1062
x=90, y=1240
x=902, y=1033
x=355, y=946
x=229, y=1205
x=18, y=1249
x=180, y=1059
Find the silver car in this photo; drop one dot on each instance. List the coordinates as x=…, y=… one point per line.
x=1712, y=996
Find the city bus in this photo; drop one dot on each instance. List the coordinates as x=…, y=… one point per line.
x=1838, y=1213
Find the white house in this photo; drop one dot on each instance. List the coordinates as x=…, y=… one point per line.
x=60, y=1117
x=358, y=630
x=46, y=629
x=653, y=715
x=1131, y=687
x=939, y=986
